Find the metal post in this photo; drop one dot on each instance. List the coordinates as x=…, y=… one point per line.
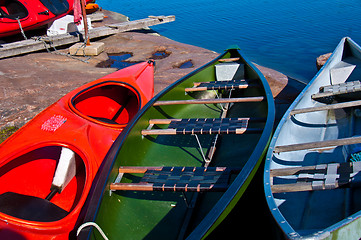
x=82, y=2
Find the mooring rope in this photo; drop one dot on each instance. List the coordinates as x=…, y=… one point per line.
x=87, y=224
x=47, y=42
x=21, y=28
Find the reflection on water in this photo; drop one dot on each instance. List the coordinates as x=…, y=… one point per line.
x=285, y=35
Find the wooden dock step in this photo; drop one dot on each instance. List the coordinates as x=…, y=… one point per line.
x=317, y=177
x=209, y=101
x=184, y=179
x=201, y=126
x=348, y=90
x=221, y=85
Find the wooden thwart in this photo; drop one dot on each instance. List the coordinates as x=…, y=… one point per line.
x=209, y=101
x=308, y=186
x=346, y=167
x=292, y=187
x=194, y=179
x=317, y=145
x=317, y=177
x=327, y=107
x=228, y=59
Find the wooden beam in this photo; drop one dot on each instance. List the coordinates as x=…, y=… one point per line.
x=162, y=121
x=228, y=59
x=32, y=45
x=292, y=187
x=307, y=186
x=316, y=145
x=137, y=169
x=131, y=186
x=209, y=101
x=345, y=167
x=327, y=107
x=171, y=131
x=295, y=170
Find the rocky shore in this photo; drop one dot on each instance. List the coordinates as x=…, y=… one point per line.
x=30, y=83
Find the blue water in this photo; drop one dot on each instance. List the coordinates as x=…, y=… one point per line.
x=285, y=35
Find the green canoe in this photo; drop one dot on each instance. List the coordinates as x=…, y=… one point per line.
x=185, y=160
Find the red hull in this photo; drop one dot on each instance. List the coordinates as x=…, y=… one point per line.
x=32, y=14
x=86, y=121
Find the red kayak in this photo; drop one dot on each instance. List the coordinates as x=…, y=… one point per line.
x=30, y=14
x=47, y=167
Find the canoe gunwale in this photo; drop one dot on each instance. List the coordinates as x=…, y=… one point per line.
x=228, y=199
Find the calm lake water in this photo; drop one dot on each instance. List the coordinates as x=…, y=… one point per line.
x=285, y=35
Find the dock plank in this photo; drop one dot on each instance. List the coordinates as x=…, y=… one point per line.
x=32, y=45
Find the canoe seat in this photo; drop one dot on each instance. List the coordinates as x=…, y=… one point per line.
x=221, y=85
x=317, y=177
x=183, y=179
x=30, y=208
x=342, y=92
x=200, y=126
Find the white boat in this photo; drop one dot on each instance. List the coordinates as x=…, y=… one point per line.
x=313, y=163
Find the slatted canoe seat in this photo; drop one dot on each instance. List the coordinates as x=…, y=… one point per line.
x=179, y=179
x=317, y=177
x=199, y=126
x=221, y=85
x=343, y=91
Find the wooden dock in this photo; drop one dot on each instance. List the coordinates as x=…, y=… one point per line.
x=42, y=43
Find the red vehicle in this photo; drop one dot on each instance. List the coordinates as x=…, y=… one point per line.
x=30, y=14
x=47, y=167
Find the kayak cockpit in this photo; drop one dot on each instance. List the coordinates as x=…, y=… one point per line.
x=27, y=181
x=108, y=103
x=12, y=9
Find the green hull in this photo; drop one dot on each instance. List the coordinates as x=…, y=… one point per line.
x=174, y=215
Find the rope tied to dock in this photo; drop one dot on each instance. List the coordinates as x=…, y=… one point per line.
x=48, y=44
x=21, y=28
